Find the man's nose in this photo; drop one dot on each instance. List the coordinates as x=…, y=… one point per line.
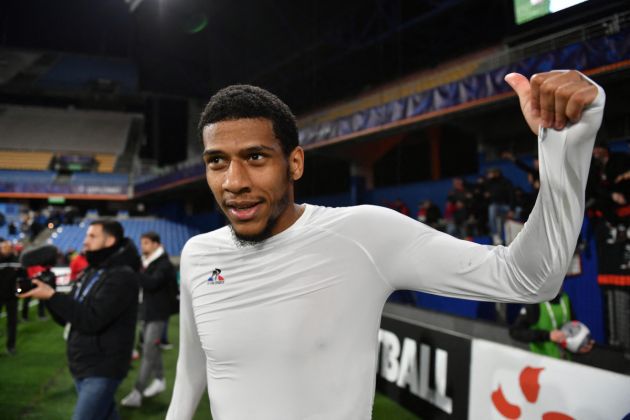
x=236, y=177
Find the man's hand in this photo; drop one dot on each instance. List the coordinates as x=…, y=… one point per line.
x=618, y=198
x=587, y=347
x=42, y=291
x=552, y=99
x=623, y=177
x=557, y=336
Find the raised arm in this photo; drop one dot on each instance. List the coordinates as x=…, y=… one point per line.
x=412, y=256
x=190, y=378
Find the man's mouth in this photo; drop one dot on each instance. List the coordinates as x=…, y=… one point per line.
x=243, y=211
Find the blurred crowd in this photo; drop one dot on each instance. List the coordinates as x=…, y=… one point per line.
x=493, y=207
x=32, y=222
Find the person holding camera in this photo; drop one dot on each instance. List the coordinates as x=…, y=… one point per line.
x=100, y=317
x=9, y=273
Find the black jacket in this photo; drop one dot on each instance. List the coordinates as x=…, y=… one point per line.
x=521, y=329
x=159, y=289
x=103, y=324
x=10, y=270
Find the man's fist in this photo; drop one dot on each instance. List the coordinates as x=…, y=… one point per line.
x=552, y=99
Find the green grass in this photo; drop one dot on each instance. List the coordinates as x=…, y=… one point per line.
x=36, y=384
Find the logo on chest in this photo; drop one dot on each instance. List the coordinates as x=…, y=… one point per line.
x=216, y=277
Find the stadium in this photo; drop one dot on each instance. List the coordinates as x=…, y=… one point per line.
x=400, y=105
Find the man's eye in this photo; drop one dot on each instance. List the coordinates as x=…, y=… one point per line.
x=256, y=156
x=215, y=160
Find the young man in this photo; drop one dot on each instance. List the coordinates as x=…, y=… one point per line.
x=158, y=281
x=280, y=310
x=100, y=314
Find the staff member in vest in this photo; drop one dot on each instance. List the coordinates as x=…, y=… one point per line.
x=100, y=314
x=157, y=281
x=540, y=324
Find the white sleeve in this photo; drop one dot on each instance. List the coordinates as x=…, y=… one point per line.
x=190, y=378
x=410, y=255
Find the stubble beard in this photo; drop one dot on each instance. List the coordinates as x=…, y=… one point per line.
x=256, y=238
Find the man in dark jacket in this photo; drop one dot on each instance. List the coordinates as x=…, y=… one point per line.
x=9, y=272
x=158, y=281
x=100, y=317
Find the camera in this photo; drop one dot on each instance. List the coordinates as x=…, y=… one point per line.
x=45, y=256
x=23, y=283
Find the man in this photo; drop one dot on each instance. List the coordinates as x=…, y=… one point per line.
x=499, y=195
x=287, y=329
x=9, y=272
x=540, y=326
x=159, y=286
x=100, y=313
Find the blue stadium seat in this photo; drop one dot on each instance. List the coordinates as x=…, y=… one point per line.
x=174, y=235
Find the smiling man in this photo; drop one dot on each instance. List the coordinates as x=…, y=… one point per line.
x=280, y=310
x=251, y=175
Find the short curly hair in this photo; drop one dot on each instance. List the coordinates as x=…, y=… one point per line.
x=246, y=101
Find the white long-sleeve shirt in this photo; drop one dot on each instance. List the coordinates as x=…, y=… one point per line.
x=290, y=330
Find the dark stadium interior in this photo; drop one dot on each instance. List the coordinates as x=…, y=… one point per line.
x=397, y=103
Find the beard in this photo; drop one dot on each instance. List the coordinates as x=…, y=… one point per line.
x=256, y=238
x=278, y=208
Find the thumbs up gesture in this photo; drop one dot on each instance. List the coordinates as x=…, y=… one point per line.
x=553, y=99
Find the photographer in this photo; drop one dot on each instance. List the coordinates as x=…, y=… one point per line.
x=100, y=316
x=9, y=272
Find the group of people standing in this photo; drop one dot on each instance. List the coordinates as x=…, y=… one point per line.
x=101, y=312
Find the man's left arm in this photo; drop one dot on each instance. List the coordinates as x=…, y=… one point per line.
x=533, y=267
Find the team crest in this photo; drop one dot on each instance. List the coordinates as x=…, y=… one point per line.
x=216, y=277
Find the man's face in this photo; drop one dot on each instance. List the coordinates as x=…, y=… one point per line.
x=148, y=246
x=6, y=248
x=250, y=177
x=600, y=154
x=96, y=239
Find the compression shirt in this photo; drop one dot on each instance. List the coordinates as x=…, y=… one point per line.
x=288, y=329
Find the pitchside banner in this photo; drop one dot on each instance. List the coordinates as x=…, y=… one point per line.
x=509, y=383
x=424, y=370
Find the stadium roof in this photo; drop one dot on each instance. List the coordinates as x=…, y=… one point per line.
x=309, y=52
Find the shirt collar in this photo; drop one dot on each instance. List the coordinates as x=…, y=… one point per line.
x=152, y=257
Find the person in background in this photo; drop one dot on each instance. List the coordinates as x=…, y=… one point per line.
x=78, y=263
x=499, y=195
x=100, y=318
x=429, y=213
x=540, y=325
x=156, y=280
x=9, y=268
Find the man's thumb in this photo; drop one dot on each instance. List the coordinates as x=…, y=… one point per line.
x=520, y=84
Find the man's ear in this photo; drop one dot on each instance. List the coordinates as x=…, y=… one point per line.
x=109, y=241
x=296, y=163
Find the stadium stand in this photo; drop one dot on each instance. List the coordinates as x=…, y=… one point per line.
x=106, y=162
x=31, y=177
x=35, y=128
x=25, y=160
x=174, y=235
x=99, y=179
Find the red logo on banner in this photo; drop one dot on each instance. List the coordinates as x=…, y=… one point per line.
x=530, y=387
